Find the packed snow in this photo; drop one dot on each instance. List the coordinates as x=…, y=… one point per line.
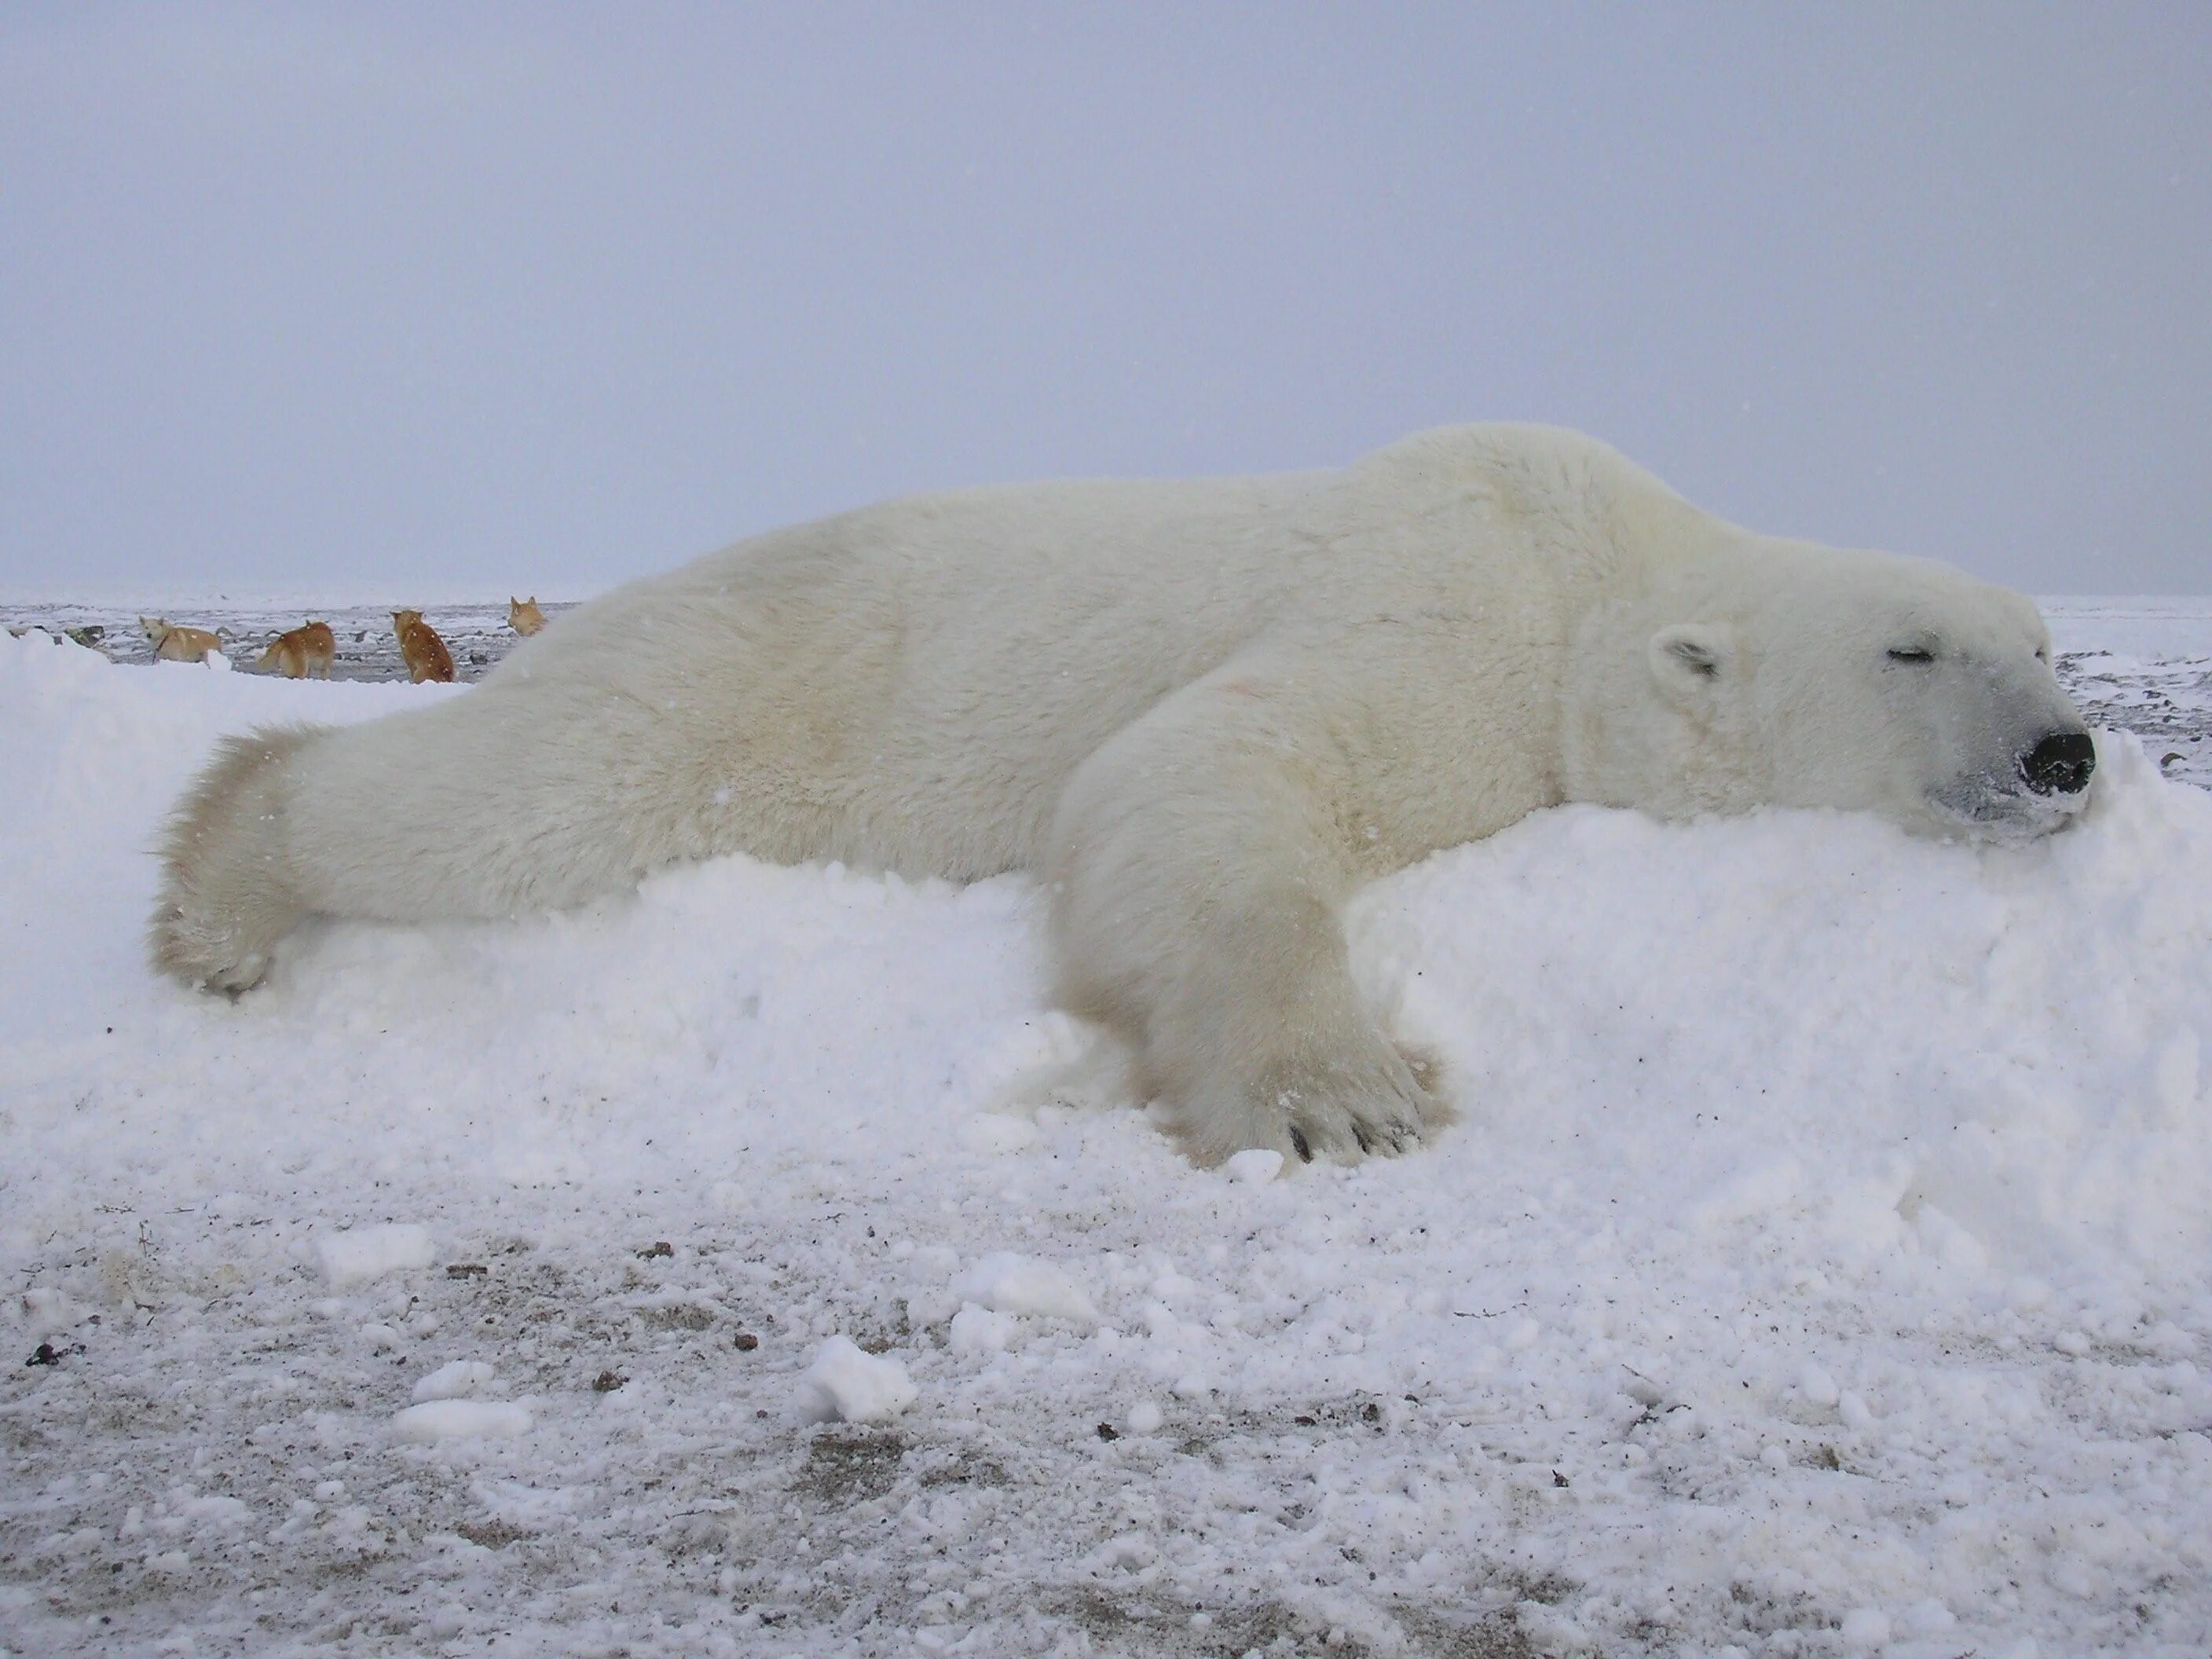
x=757, y=1264
x=461, y=1419
x=361, y=1254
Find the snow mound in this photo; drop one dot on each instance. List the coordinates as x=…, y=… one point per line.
x=2004, y=1041
x=848, y=1384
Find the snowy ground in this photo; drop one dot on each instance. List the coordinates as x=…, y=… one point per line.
x=1824, y=1264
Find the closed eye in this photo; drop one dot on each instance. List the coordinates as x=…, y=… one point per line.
x=1911, y=653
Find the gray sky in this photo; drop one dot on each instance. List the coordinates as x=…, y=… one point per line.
x=444, y=299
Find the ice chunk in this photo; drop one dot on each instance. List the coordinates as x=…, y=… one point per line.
x=461, y=1419
x=456, y=1381
x=50, y=1310
x=215, y=1509
x=356, y=1256
x=981, y=1330
x=1865, y=1628
x=1008, y=1282
x=846, y=1384
x=1255, y=1166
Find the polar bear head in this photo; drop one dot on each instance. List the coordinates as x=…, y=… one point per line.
x=1783, y=674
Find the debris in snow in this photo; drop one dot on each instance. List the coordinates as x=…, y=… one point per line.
x=847, y=1384
x=996, y=1132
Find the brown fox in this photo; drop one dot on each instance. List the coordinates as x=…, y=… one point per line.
x=523, y=615
x=305, y=650
x=173, y=644
x=420, y=647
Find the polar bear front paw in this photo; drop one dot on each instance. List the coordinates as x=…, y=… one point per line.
x=1374, y=1102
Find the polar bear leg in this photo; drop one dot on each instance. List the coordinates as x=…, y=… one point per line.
x=226, y=896
x=514, y=798
x=1197, y=872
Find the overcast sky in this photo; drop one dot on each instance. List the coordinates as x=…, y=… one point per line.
x=387, y=300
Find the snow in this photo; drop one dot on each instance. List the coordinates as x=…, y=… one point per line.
x=848, y=1384
x=1256, y=1167
x=457, y=1379
x=976, y=1329
x=354, y=1258
x=1821, y=1264
x=461, y=1419
x=1008, y=1282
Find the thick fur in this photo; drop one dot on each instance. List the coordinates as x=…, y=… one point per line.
x=228, y=898
x=421, y=648
x=524, y=617
x=307, y=650
x=1204, y=712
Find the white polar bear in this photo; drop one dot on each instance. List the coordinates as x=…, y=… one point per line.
x=1203, y=711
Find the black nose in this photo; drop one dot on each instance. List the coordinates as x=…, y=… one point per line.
x=2060, y=764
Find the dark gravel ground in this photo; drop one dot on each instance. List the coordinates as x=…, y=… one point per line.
x=2167, y=704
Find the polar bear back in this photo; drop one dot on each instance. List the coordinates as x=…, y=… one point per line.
x=822, y=666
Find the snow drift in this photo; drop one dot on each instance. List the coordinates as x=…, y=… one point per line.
x=1822, y=1260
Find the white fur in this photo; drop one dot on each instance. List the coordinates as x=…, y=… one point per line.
x=1205, y=711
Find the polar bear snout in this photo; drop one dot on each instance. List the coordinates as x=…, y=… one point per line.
x=2060, y=764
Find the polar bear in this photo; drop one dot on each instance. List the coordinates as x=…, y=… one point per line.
x=1202, y=712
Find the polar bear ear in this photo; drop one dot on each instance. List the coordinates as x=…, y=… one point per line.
x=1689, y=658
